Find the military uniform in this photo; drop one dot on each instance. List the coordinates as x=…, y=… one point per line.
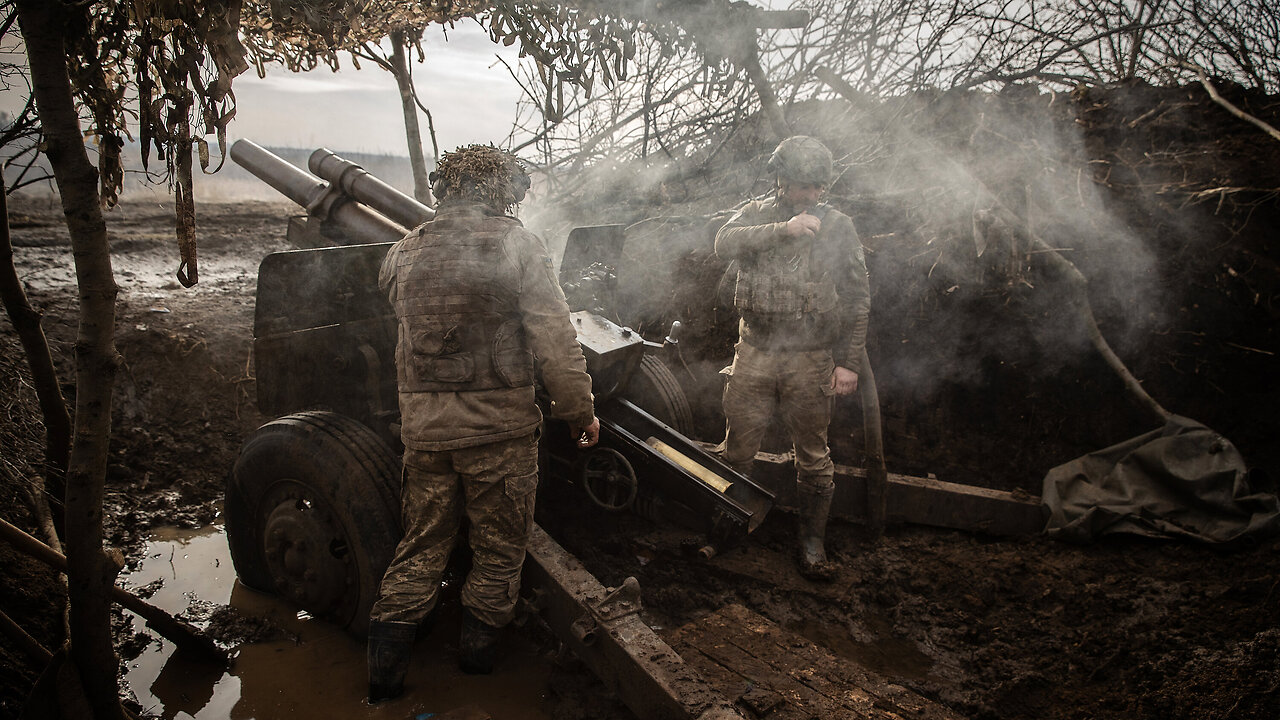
x=804, y=306
x=478, y=307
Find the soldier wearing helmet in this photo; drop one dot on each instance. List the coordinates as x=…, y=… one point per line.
x=802, y=294
x=476, y=301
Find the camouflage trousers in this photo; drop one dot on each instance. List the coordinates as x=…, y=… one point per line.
x=494, y=486
x=796, y=385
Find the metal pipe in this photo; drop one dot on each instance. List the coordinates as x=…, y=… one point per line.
x=321, y=200
x=368, y=189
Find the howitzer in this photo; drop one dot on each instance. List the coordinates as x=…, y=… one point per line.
x=324, y=336
x=312, y=504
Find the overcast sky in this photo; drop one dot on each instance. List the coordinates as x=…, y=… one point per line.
x=471, y=96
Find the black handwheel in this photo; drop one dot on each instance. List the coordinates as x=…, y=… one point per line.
x=609, y=479
x=656, y=391
x=313, y=514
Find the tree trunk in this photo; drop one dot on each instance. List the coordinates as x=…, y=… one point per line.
x=26, y=321
x=400, y=69
x=764, y=91
x=90, y=573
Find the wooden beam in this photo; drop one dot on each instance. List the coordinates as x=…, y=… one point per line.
x=917, y=500
x=777, y=674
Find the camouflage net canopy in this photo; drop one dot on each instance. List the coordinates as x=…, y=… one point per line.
x=481, y=173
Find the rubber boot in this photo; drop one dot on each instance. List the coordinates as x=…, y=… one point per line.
x=477, y=645
x=815, y=506
x=390, y=646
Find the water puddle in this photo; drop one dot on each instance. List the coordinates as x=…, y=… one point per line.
x=317, y=672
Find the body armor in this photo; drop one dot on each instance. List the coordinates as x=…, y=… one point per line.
x=786, y=280
x=457, y=301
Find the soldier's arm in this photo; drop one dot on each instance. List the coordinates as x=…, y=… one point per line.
x=550, y=334
x=745, y=234
x=855, y=295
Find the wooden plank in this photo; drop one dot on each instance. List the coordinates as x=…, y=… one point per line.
x=604, y=629
x=775, y=674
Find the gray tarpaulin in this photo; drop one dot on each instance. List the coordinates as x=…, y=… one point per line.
x=1183, y=480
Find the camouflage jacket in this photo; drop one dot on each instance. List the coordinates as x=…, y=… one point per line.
x=798, y=294
x=474, y=256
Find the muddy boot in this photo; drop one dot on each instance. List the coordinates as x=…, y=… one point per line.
x=390, y=646
x=477, y=646
x=815, y=506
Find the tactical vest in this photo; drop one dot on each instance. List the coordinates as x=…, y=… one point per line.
x=458, y=305
x=780, y=281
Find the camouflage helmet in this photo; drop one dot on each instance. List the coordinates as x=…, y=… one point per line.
x=481, y=173
x=803, y=159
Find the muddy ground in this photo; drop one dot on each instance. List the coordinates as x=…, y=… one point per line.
x=993, y=628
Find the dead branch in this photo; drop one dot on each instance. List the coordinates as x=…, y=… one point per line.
x=1079, y=285
x=1231, y=108
x=29, y=645
x=181, y=633
x=26, y=321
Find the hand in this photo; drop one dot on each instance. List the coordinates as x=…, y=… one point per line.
x=588, y=436
x=802, y=226
x=844, y=380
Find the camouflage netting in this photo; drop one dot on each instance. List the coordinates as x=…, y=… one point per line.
x=483, y=173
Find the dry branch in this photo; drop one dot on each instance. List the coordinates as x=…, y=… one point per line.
x=1213, y=93
x=29, y=645
x=181, y=633
x=26, y=321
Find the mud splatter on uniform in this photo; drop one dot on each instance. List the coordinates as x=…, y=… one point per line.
x=478, y=308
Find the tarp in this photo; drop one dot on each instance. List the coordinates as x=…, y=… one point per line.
x=1182, y=481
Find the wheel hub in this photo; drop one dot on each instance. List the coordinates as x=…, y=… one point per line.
x=308, y=554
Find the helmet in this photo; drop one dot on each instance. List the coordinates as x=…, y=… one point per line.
x=801, y=158
x=481, y=173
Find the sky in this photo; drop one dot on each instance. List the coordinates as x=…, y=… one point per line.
x=471, y=95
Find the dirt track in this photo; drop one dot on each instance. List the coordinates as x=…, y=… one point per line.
x=991, y=628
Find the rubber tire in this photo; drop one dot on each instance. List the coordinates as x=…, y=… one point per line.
x=656, y=391
x=348, y=472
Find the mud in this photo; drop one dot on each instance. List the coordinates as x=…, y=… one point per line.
x=990, y=628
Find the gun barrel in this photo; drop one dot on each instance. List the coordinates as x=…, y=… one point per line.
x=360, y=222
x=368, y=189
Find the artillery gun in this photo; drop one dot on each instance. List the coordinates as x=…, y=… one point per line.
x=312, y=503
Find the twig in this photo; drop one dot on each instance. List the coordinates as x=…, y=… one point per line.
x=1250, y=349
x=1213, y=93
x=34, y=650
x=181, y=633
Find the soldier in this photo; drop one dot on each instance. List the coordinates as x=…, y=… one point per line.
x=478, y=305
x=804, y=301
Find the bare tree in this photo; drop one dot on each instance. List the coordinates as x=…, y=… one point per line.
x=687, y=104
x=396, y=62
x=19, y=143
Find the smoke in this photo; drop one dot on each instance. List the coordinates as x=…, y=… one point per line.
x=960, y=199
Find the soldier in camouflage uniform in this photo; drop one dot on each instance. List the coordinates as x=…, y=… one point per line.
x=478, y=306
x=804, y=300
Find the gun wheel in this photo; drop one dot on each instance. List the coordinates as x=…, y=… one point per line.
x=312, y=514
x=656, y=391
x=609, y=479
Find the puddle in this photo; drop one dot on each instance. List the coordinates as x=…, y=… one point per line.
x=321, y=674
